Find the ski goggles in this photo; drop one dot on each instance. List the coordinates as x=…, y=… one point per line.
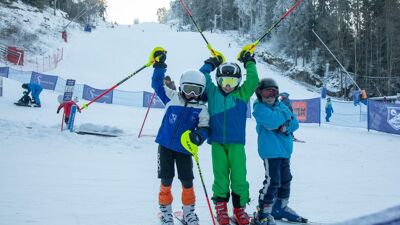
x=225, y=81
x=194, y=89
x=269, y=92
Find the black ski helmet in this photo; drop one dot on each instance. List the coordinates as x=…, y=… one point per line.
x=229, y=69
x=265, y=83
x=24, y=86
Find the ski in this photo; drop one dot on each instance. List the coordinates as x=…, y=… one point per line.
x=19, y=104
x=179, y=216
x=298, y=140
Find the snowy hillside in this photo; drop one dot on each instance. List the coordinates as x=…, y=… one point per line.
x=50, y=177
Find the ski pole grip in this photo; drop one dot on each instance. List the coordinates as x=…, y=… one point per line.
x=84, y=106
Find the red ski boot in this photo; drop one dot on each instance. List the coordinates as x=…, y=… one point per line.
x=222, y=213
x=241, y=216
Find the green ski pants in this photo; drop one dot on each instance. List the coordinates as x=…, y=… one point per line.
x=229, y=167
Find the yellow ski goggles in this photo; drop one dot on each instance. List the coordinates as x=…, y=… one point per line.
x=225, y=81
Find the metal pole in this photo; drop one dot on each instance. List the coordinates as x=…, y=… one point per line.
x=55, y=6
x=336, y=59
x=147, y=112
x=1, y=86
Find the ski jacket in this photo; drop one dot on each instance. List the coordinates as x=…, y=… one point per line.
x=67, y=107
x=34, y=88
x=228, y=113
x=328, y=108
x=179, y=116
x=271, y=142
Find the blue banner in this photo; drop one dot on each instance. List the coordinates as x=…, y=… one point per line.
x=90, y=93
x=384, y=117
x=4, y=71
x=46, y=81
x=157, y=103
x=307, y=110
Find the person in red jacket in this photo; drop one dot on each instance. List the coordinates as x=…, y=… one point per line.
x=67, y=108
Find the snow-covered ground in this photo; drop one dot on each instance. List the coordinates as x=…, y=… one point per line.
x=50, y=177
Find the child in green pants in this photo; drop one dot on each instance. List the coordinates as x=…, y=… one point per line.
x=227, y=106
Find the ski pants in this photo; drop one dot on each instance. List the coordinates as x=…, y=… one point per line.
x=229, y=167
x=35, y=95
x=277, y=180
x=167, y=159
x=328, y=116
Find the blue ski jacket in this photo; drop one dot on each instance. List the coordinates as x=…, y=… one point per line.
x=179, y=116
x=271, y=142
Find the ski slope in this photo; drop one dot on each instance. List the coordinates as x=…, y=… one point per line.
x=48, y=177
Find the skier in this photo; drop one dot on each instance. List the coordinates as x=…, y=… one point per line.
x=25, y=100
x=67, y=108
x=184, y=111
x=227, y=104
x=328, y=109
x=284, y=98
x=275, y=122
x=35, y=89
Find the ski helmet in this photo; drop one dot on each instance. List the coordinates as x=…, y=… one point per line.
x=192, y=82
x=60, y=99
x=229, y=69
x=266, y=83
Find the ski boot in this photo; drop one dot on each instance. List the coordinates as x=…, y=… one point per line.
x=222, y=213
x=189, y=216
x=166, y=215
x=263, y=216
x=240, y=216
x=281, y=210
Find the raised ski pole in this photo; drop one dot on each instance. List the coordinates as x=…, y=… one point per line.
x=213, y=53
x=147, y=112
x=274, y=25
x=193, y=149
x=84, y=106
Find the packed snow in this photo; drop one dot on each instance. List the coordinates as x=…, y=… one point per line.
x=50, y=177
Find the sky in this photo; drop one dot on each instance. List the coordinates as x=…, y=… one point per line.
x=124, y=11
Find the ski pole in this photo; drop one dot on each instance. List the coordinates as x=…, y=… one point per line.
x=196, y=158
x=213, y=53
x=148, y=109
x=193, y=149
x=275, y=24
x=84, y=106
x=62, y=123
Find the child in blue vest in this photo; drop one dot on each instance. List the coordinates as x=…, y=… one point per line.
x=184, y=110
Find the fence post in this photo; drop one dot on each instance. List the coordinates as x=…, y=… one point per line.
x=1, y=86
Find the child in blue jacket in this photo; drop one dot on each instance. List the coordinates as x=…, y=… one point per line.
x=275, y=123
x=184, y=111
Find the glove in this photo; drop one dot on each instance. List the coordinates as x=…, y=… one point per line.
x=247, y=54
x=282, y=128
x=214, y=62
x=196, y=138
x=157, y=57
x=217, y=59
